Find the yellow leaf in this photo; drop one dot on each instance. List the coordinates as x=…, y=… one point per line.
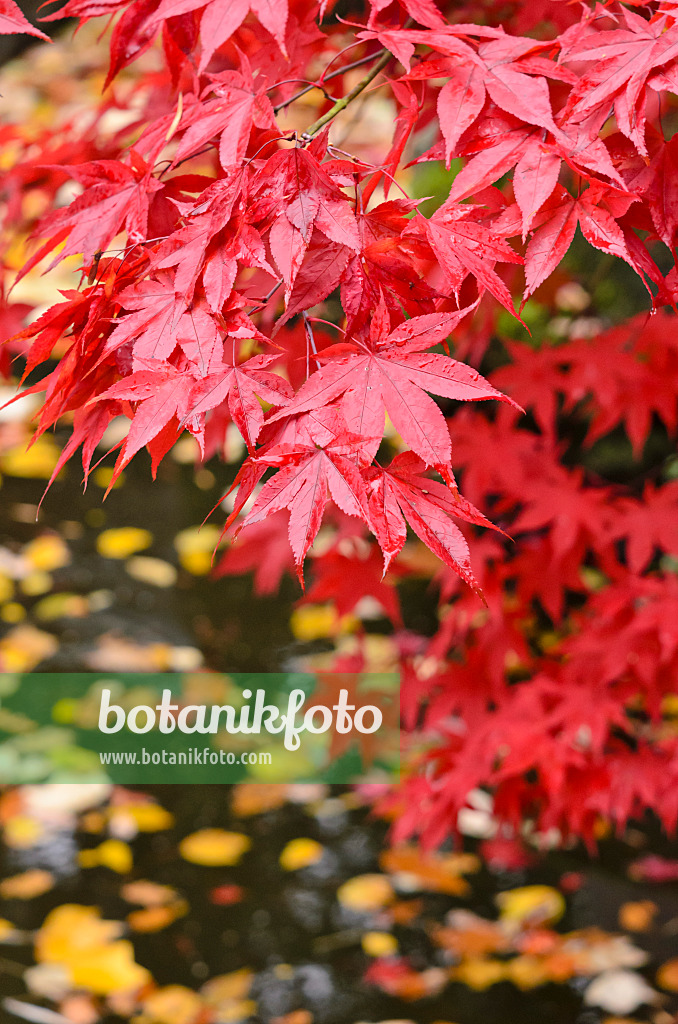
x=7, y=929
x=34, y=463
x=173, y=1004
x=123, y=541
x=379, y=944
x=36, y=583
x=13, y=613
x=27, y=885
x=317, y=621
x=667, y=975
x=61, y=606
x=103, y=477
x=24, y=647
x=148, y=817
x=527, y=972
x=300, y=853
x=112, y=853
x=531, y=905
x=22, y=832
x=227, y=988
x=6, y=588
x=195, y=546
x=76, y=938
x=366, y=893
x=214, y=847
x=154, y=571
x=47, y=552
x=479, y=974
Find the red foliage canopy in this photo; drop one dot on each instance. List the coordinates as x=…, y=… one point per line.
x=553, y=120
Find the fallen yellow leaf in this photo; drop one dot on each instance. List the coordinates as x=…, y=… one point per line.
x=123, y=541
x=379, y=944
x=531, y=905
x=479, y=973
x=300, y=853
x=112, y=853
x=214, y=847
x=47, y=552
x=173, y=1004
x=225, y=989
x=76, y=938
x=366, y=893
x=147, y=817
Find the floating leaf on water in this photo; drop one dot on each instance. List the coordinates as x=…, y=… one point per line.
x=148, y=894
x=301, y=853
x=61, y=606
x=173, y=1004
x=467, y=935
x=27, y=885
x=112, y=854
x=195, y=547
x=21, y=832
x=24, y=647
x=637, y=916
x=480, y=973
x=123, y=541
x=667, y=975
x=527, y=972
x=619, y=992
x=145, y=817
x=76, y=938
x=154, y=919
x=226, y=895
x=214, y=847
x=34, y=463
x=531, y=905
x=154, y=571
x=257, y=798
x=434, y=872
x=47, y=552
x=379, y=944
x=227, y=988
x=596, y=951
x=366, y=893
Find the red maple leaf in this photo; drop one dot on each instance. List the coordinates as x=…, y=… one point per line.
x=308, y=474
x=13, y=21
x=391, y=371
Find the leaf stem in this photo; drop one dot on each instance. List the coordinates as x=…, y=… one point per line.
x=348, y=98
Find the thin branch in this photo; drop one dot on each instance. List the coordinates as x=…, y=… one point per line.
x=327, y=78
x=348, y=98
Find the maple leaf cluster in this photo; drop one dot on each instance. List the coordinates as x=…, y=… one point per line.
x=212, y=235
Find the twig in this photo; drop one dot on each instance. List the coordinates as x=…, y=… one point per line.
x=326, y=78
x=348, y=98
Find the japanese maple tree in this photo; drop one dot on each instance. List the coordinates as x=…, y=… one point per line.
x=239, y=267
